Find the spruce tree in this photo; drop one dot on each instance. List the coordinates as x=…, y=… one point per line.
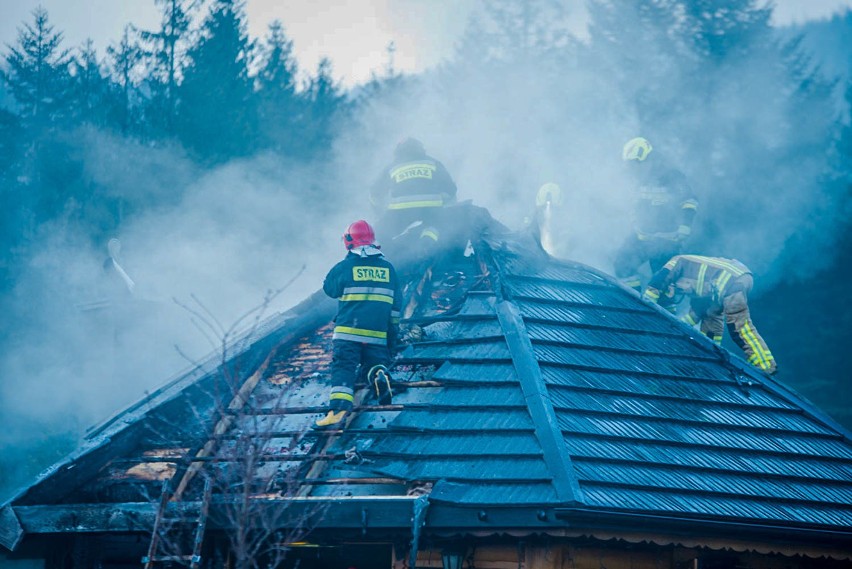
x=90, y=87
x=165, y=52
x=217, y=119
x=280, y=107
x=326, y=109
x=37, y=73
x=124, y=60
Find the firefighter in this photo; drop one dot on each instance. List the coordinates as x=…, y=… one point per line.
x=663, y=213
x=365, y=330
x=411, y=193
x=718, y=289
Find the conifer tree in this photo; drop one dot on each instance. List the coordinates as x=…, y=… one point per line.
x=165, y=50
x=280, y=108
x=124, y=60
x=217, y=118
x=37, y=73
x=524, y=29
x=90, y=86
x=327, y=108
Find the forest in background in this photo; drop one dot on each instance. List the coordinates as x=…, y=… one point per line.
x=222, y=165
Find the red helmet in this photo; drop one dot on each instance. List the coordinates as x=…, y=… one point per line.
x=359, y=234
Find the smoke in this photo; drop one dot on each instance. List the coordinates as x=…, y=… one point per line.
x=736, y=127
x=229, y=235
x=217, y=245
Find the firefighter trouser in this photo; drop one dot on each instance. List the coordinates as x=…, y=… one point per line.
x=734, y=310
x=346, y=357
x=634, y=252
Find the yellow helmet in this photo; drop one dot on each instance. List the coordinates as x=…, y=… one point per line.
x=636, y=149
x=549, y=192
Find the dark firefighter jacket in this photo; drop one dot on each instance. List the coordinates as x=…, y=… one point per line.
x=696, y=276
x=369, y=296
x=418, y=182
x=664, y=203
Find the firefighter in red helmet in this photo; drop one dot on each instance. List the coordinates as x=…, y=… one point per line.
x=366, y=286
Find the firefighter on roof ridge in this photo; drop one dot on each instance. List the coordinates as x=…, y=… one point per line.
x=718, y=289
x=663, y=213
x=365, y=330
x=411, y=193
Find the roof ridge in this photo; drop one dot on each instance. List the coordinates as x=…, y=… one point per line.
x=541, y=409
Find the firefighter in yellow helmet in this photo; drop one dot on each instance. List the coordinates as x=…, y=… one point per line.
x=663, y=213
x=718, y=289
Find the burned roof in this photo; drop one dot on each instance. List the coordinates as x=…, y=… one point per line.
x=537, y=394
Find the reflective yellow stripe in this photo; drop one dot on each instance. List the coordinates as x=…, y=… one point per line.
x=633, y=281
x=690, y=320
x=343, y=396
x=689, y=204
x=722, y=282
x=717, y=263
x=717, y=339
x=735, y=270
x=652, y=294
x=423, y=203
x=361, y=332
x=763, y=357
x=360, y=297
x=699, y=282
x=430, y=234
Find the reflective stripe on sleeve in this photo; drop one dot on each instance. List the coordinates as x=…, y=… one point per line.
x=762, y=357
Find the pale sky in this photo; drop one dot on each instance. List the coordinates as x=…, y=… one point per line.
x=353, y=33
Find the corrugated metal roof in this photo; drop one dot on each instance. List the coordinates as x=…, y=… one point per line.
x=712, y=458
x=449, y=444
x=495, y=493
x=616, y=340
x=475, y=372
x=724, y=391
x=475, y=420
x=685, y=411
x=609, y=297
x=687, y=479
x=480, y=351
x=477, y=467
x=596, y=316
x=704, y=435
x=552, y=374
x=726, y=507
x=607, y=360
